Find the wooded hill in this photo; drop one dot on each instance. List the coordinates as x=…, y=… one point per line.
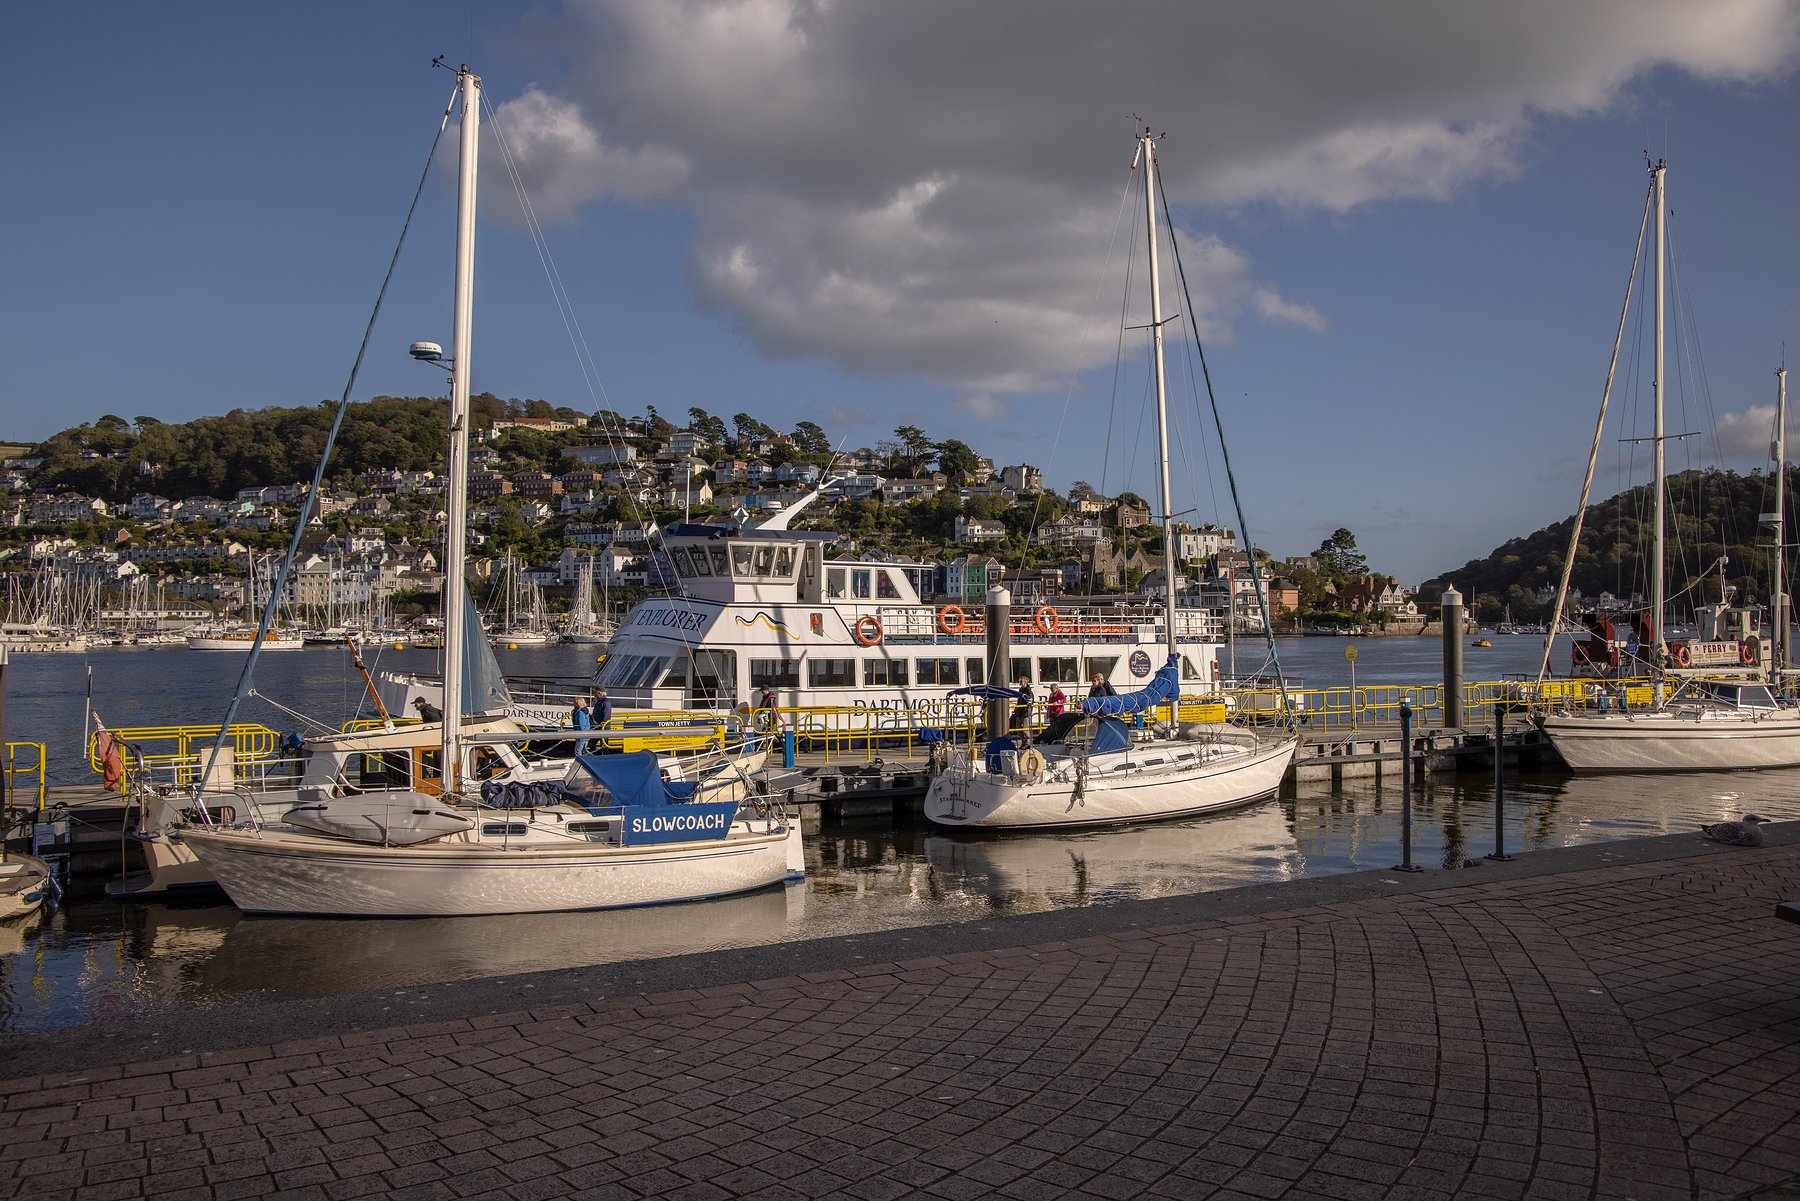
x=1711, y=515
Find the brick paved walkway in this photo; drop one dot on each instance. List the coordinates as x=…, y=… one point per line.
x=1626, y=1031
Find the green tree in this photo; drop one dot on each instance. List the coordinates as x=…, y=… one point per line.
x=811, y=439
x=1339, y=559
x=957, y=460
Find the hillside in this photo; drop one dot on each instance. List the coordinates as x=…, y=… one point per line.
x=1712, y=514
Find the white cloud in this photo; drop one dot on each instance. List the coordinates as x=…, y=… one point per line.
x=1745, y=435
x=930, y=187
x=984, y=406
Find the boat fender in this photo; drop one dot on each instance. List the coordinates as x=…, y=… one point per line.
x=1031, y=764
x=1045, y=620
x=951, y=619
x=1747, y=652
x=867, y=630
x=1679, y=653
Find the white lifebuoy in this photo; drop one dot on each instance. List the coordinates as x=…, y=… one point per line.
x=1031, y=763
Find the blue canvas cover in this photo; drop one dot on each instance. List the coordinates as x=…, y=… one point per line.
x=1164, y=687
x=632, y=779
x=1111, y=736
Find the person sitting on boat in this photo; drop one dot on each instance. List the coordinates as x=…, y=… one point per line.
x=579, y=719
x=427, y=710
x=1101, y=688
x=1056, y=702
x=1020, y=720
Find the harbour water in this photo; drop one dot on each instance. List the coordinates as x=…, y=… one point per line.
x=91, y=960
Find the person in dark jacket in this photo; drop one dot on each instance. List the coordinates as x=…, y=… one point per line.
x=1101, y=688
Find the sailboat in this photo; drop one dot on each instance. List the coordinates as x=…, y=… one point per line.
x=615, y=831
x=584, y=628
x=523, y=622
x=1730, y=721
x=1091, y=767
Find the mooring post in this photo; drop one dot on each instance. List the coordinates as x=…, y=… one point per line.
x=1500, y=784
x=1453, y=658
x=1406, y=763
x=999, y=657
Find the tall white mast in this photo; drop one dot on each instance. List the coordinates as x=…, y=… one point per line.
x=457, y=459
x=1658, y=174
x=1147, y=148
x=1778, y=649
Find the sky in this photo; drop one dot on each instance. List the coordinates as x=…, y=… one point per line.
x=1407, y=228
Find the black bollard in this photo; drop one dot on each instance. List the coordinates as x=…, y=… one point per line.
x=1406, y=767
x=1499, y=854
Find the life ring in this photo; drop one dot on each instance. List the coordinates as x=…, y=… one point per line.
x=1045, y=620
x=1031, y=764
x=1680, y=655
x=951, y=619
x=867, y=630
x=1747, y=652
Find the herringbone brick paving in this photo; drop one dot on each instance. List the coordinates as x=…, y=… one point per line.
x=1620, y=1032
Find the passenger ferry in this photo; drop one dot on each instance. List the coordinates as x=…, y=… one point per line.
x=763, y=607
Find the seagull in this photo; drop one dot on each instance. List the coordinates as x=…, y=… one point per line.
x=1746, y=833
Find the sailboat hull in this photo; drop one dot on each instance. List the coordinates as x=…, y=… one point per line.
x=1608, y=743
x=323, y=877
x=1148, y=783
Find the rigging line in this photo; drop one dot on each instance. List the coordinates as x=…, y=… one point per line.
x=1262, y=598
x=1112, y=405
x=311, y=498
x=1562, y=591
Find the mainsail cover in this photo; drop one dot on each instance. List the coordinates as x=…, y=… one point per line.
x=483, y=687
x=1164, y=688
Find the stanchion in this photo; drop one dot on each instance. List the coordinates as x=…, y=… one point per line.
x=1499, y=854
x=1406, y=769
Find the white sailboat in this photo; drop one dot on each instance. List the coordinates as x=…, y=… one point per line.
x=1093, y=768
x=615, y=831
x=1719, y=724
x=584, y=627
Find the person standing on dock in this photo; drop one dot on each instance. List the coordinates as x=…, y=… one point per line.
x=1020, y=721
x=580, y=720
x=1056, y=702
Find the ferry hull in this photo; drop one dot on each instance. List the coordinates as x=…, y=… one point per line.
x=322, y=877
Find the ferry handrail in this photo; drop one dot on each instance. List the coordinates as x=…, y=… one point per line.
x=180, y=746
x=14, y=771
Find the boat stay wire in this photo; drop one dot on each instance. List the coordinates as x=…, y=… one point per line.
x=308, y=502
x=1262, y=598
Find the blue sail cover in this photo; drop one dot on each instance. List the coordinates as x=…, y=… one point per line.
x=1164, y=688
x=653, y=810
x=483, y=687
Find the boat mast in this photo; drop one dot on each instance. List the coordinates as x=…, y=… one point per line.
x=1147, y=148
x=1778, y=650
x=457, y=458
x=1658, y=174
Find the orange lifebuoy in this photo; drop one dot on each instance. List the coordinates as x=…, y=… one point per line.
x=1680, y=655
x=951, y=619
x=1746, y=653
x=867, y=630
x=1045, y=620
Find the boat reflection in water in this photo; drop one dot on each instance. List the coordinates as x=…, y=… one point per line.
x=311, y=958
x=1043, y=870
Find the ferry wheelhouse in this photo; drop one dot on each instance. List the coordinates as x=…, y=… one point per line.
x=764, y=607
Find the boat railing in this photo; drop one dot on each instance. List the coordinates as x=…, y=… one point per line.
x=176, y=755
x=29, y=774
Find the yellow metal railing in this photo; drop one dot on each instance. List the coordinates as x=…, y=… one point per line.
x=32, y=771
x=178, y=753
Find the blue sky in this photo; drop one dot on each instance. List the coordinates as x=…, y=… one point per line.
x=1409, y=224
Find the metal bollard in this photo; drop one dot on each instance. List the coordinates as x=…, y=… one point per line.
x=1499, y=854
x=1406, y=763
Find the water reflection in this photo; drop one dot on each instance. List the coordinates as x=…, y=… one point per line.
x=92, y=960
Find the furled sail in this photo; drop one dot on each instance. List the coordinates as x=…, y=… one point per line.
x=1163, y=689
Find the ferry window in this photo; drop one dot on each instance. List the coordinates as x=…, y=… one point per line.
x=1058, y=671
x=884, y=672
x=859, y=585
x=885, y=587
x=740, y=561
x=682, y=564
x=774, y=673
x=977, y=670
x=1098, y=667
x=1188, y=670
x=720, y=565
x=617, y=667
x=765, y=559
x=678, y=673
x=700, y=565
x=648, y=668
x=715, y=676
x=937, y=671
x=784, y=562
x=831, y=673
x=834, y=582
x=1021, y=670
